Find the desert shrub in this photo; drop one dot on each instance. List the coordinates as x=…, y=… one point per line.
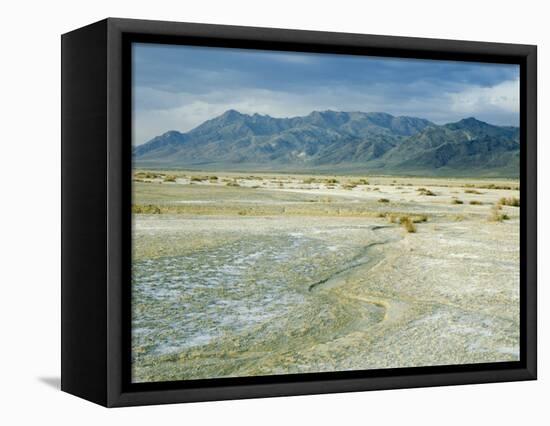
x=456, y=201
x=169, y=178
x=196, y=179
x=376, y=189
x=392, y=218
x=476, y=203
x=309, y=180
x=145, y=209
x=425, y=191
x=147, y=175
x=419, y=219
x=492, y=186
x=472, y=191
x=496, y=215
x=407, y=223
x=511, y=201
x=232, y=183
x=331, y=181
x=349, y=186
x=383, y=200
x=212, y=178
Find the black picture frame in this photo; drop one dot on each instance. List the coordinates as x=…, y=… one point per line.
x=96, y=214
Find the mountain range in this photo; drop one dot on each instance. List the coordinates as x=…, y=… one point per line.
x=333, y=141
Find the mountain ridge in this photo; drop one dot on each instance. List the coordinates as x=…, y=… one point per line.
x=324, y=140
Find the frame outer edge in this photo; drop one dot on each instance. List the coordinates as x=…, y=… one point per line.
x=114, y=218
x=531, y=182
x=316, y=37
x=83, y=234
x=116, y=396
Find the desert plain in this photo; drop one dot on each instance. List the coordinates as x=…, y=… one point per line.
x=247, y=274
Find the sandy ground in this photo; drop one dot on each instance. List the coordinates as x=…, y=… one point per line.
x=328, y=282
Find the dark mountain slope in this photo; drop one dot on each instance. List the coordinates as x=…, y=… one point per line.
x=331, y=140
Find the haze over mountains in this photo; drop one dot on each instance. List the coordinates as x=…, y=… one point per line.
x=332, y=142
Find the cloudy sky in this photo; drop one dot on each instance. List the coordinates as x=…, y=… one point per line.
x=179, y=87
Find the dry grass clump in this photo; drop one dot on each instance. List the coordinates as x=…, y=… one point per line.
x=392, y=218
x=492, y=186
x=456, y=201
x=475, y=203
x=472, y=191
x=420, y=218
x=425, y=191
x=145, y=209
x=511, y=201
x=147, y=175
x=496, y=214
x=407, y=223
x=404, y=219
x=309, y=180
x=383, y=200
x=169, y=178
x=349, y=185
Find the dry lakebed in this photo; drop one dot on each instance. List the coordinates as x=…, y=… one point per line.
x=245, y=275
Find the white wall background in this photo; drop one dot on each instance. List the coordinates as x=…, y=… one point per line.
x=30, y=211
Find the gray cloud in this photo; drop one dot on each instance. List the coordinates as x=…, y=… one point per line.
x=179, y=88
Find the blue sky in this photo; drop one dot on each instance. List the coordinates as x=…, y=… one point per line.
x=179, y=87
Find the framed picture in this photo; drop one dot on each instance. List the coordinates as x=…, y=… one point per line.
x=254, y=212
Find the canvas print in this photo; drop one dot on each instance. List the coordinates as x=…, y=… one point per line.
x=304, y=213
